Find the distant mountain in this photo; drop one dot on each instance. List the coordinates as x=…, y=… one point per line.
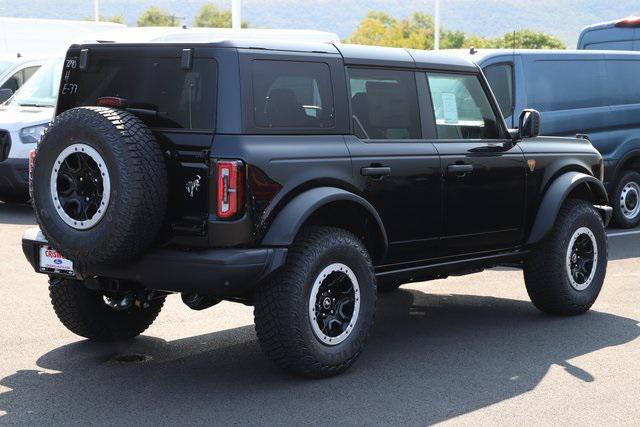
x=562, y=18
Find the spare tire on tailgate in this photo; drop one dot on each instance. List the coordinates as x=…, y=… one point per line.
x=99, y=185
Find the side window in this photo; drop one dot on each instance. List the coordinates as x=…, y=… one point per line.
x=384, y=104
x=29, y=71
x=14, y=82
x=461, y=107
x=500, y=77
x=292, y=95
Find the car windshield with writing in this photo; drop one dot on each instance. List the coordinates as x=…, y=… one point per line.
x=157, y=88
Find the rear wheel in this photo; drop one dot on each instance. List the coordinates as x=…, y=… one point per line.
x=97, y=316
x=314, y=317
x=564, y=274
x=626, y=200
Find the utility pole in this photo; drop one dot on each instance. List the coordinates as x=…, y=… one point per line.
x=236, y=18
x=436, y=31
x=96, y=10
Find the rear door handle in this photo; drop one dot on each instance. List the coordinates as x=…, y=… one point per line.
x=460, y=170
x=375, y=171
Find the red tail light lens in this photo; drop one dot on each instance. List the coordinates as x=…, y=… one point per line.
x=32, y=159
x=230, y=183
x=111, y=101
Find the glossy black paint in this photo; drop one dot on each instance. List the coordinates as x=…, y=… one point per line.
x=442, y=206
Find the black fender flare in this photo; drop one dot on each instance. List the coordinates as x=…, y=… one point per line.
x=556, y=195
x=288, y=222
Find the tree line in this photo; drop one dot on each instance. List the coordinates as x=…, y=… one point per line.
x=376, y=28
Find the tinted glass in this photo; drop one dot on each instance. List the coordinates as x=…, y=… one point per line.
x=166, y=95
x=14, y=82
x=384, y=104
x=566, y=84
x=292, y=95
x=461, y=107
x=29, y=71
x=500, y=79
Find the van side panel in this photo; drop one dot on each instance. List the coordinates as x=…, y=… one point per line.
x=609, y=37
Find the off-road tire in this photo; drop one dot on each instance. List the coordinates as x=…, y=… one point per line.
x=83, y=312
x=281, y=311
x=618, y=219
x=545, y=271
x=139, y=189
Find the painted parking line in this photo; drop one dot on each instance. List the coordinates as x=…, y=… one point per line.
x=623, y=233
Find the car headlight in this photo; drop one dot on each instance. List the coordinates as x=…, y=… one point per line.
x=32, y=134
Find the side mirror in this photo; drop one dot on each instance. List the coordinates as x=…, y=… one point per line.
x=5, y=94
x=529, y=123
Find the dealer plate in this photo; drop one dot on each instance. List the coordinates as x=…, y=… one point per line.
x=51, y=261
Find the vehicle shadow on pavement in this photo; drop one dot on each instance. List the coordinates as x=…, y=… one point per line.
x=16, y=213
x=430, y=358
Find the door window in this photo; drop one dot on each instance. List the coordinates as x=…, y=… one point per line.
x=461, y=107
x=500, y=78
x=384, y=104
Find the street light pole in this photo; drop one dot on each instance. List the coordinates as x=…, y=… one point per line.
x=436, y=31
x=236, y=19
x=96, y=10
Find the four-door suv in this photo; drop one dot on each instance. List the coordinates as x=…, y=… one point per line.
x=300, y=178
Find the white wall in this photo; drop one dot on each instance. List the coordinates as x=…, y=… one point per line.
x=45, y=37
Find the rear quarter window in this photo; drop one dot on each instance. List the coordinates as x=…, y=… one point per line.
x=163, y=93
x=292, y=95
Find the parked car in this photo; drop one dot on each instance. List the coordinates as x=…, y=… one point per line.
x=14, y=72
x=578, y=92
x=622, y=34
x=23, y=119
x=301, y=178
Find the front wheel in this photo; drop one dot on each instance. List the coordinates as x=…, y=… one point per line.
x=314, y=317
x=565, y=273
x=626, y=201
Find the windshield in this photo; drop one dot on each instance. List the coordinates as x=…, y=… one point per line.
x=41, y=90
x=4, y=66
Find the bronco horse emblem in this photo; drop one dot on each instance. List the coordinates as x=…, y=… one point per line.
x=193, y=186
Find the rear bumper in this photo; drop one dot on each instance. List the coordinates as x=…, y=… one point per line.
x=14, y=177
x=219, y=272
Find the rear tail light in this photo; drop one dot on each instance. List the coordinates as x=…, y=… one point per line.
x=230, y=185
x=111, y=101
x=32, y=159
x=631, y=21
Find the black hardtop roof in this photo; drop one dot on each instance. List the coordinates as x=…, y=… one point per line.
x=351, y=53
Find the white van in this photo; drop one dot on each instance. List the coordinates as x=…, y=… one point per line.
x=14, y=72
x=23, y=119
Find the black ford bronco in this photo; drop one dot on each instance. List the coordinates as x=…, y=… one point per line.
x=300, y=178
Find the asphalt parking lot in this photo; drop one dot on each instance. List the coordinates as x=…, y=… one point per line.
x=466, y=350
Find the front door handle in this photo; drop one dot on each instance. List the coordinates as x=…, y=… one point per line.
x=460, y=170
x=375, y=171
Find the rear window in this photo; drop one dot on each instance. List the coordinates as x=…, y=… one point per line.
x=157, y=89
x=292, y=95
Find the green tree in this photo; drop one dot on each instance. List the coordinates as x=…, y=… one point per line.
x=118, y=19
x=156, y=17
x=417, y=31
x=528, y=39
x=212, y=17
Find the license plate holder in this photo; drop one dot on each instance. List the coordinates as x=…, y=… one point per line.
x=51, y=261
